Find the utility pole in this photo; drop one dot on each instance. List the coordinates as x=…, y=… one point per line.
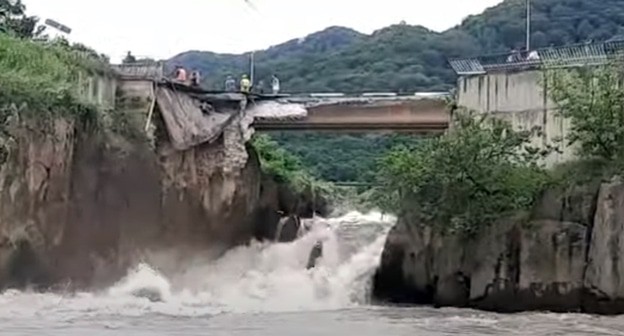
x=528, y=25
x=251, y=68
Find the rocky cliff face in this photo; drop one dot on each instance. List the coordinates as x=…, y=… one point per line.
x=567, y=255
x=80, y=206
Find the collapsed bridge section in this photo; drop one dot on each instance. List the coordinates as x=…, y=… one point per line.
x=193, y=115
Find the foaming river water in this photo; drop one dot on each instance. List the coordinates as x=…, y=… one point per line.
x=265, y=289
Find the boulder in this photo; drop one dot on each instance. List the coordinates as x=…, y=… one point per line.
x=510, y=266
x=604, y=277
x=288, y=229
x=576, y=204
x=552, y=263
x=404, y=272
x=492, y=264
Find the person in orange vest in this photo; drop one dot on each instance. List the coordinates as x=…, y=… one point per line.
x=180, y=74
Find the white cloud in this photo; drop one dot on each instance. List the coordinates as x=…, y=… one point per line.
x=162, y=29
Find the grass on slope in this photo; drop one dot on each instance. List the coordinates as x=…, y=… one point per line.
x=42, y=76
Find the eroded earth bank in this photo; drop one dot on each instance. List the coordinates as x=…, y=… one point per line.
x=81, y=202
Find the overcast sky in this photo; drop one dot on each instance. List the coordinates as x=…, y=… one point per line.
x=161, y=29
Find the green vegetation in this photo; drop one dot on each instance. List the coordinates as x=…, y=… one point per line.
x=402, y=58
x=465, y=180
x=42, y=79
x=483, y=170
x=357, y=154
x=593, y=100
x=14, y=21
x=407, y=58
x=42, y=75
x=286, y=168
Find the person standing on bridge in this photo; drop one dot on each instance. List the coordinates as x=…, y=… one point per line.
x=129, y=59
x=180, y=74
x=275, y=84
x=230, y=84
x=259, y=88
x=195, y=79
x=245, y=84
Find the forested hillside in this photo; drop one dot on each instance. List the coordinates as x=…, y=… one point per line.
x=339, y=157
x=402, y=58
x=407, y=58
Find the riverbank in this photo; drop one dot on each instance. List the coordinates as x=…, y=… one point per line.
x=86, y=193
x=264, y=289
x=562, y=256
x=484, y=225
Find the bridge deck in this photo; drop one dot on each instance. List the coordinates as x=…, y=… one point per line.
x=407, y=115
x=418, y=113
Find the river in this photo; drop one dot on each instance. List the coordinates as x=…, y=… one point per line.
x=264, y=289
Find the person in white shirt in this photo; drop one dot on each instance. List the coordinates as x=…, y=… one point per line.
x=275, y=84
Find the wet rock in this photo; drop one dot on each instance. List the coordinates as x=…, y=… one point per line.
x=604, y=278
x=404, y=273
x=90, y=204
x=152, y=294
x=288, y=229
x=315, y=254
x=511, y=266
x=280, y=210
x=576, y=204
x=25, y=270
x=552, y=263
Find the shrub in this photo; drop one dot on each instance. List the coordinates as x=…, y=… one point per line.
x=592, y=98
x=286, y=168
x=465, y=180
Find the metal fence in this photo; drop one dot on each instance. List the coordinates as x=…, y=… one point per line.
x=553, y=57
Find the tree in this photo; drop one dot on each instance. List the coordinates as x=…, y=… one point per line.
x=593, y=100
x=406, y=58
x=14, y=20
x=463, y=181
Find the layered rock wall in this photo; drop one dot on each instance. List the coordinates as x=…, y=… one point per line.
x=80, y=204
x=567, y=255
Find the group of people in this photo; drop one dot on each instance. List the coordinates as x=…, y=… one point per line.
x=181, y=75
x=246, y=86
x=516, y=56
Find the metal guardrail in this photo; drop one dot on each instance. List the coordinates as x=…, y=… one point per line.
x=153, y=70
x=553, y=57
x=338, y=95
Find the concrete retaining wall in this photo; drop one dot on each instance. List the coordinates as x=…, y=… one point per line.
x=520, y=98
x=98, y=89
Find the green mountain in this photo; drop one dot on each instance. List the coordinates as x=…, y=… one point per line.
x=401, y=58
x=405, y=58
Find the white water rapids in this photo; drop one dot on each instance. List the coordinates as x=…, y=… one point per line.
x=260, y=277
x=265, y=289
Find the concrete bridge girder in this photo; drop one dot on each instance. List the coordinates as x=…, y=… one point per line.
x=397, y=115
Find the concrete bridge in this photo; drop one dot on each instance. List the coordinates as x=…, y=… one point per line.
x=334, y=112
x=418, y=113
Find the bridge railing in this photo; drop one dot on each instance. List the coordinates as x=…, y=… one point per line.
x=153, y=70
x=552, y=57
x=339, y=95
